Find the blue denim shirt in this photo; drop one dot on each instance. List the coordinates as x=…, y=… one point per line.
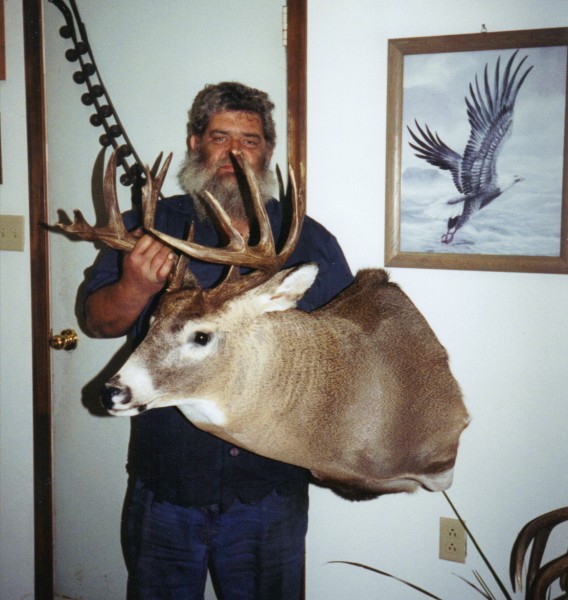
x=178, y=462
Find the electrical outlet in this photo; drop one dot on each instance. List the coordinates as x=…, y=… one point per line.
x=12, y=232
x=452, y=540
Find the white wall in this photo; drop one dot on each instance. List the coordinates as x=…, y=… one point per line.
x=507, y=333
x=16, y=475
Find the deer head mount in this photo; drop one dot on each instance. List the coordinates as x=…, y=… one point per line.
x=359, y=391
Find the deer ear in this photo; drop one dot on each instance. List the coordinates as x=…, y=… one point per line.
x=284, y=289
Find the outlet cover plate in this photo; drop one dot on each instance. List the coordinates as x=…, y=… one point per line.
x=453, y=540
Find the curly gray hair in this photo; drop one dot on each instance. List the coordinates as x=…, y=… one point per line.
x=230, y=95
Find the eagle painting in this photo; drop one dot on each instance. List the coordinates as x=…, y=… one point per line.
x=490, y=114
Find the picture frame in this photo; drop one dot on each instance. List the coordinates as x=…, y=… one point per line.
x=447, y=206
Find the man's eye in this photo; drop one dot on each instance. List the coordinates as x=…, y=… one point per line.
x=201, y=338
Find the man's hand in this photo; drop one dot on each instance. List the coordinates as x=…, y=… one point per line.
x=146, y=268
x=112, y=310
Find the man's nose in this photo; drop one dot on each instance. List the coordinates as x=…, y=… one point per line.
x=234, y=145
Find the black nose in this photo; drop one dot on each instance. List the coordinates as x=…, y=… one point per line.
x=107, y=395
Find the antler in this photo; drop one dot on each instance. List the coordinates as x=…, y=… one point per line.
x=114, y=234
x=262, y=257
x=237, y=252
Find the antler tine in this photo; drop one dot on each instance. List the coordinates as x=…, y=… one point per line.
x=151, y=189
x=266, y=241
x=114, y=234
x=115, y=222
x=298, y=201
x=180, y=274
x=156, y=165
x=282, y=194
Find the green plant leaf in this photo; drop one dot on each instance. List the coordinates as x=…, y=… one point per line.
x=484, y=590
x=361, y=566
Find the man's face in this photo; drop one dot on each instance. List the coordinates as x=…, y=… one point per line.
x=231, y=131
x=207, y=165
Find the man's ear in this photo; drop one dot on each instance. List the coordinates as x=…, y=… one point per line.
x=193, y=142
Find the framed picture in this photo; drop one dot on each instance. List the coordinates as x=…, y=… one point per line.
x=477, y=145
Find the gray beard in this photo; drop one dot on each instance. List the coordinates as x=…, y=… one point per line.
x=195, y=178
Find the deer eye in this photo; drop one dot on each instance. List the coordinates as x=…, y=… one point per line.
x=201, y=338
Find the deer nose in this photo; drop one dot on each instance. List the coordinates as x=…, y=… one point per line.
x=109, y=396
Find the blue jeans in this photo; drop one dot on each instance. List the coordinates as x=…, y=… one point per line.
x=254, y=552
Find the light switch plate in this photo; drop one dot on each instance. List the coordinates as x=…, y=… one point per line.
x=12, y=232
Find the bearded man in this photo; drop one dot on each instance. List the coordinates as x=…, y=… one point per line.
x=194, y=501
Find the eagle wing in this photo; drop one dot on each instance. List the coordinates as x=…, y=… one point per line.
x=433, y=150
x=490, y=115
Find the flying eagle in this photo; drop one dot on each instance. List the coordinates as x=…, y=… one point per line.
x=490, y=115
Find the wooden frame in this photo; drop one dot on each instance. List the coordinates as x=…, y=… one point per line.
x=41, y=295
x=414, y=187
x=37, y=176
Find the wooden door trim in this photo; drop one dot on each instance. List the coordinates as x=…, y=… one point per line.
x=297, y=85
x=40, y=298
x=39, y=249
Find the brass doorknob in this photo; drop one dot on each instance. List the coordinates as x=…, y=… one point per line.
x=66, y=340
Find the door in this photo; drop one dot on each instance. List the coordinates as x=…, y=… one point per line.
x=152, y=62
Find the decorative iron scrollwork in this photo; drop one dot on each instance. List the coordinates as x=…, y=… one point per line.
x=105, y=115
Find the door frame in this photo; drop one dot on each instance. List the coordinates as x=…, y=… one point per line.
x=39, y=248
